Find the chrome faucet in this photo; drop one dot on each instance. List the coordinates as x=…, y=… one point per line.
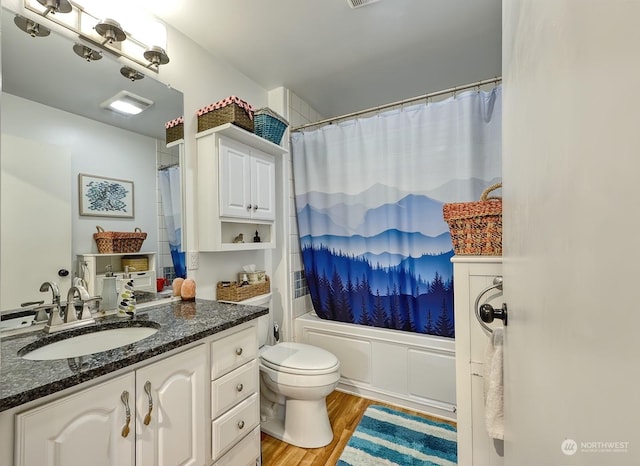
x=65, y=317
x=46, y=286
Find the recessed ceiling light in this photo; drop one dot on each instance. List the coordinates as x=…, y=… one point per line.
x=127, y=103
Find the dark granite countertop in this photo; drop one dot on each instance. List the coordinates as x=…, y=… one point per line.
x=181, y=322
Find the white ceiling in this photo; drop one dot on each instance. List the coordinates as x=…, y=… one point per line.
x=340, y=59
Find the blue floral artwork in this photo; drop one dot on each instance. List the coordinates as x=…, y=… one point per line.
x=109, y=197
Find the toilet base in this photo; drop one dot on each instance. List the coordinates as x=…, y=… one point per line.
x=305, y=424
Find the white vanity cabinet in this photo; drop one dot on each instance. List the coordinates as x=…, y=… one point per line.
x=236, y=189
x=472, y=275
x=170, y=405
x=235, y=400
x=88, y=427
x=80, y=429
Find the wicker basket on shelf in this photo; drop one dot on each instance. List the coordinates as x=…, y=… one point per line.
x=115, y=242
x=476, y=227
x=174, y=129
x=231, y=291
x=269, y=125
x=230, y=110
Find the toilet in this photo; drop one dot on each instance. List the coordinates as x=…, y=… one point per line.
x=295, y=379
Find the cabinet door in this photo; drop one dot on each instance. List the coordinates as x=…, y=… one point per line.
x=82, y=429
x=171, y=408
x=263, y=186
x=235, y=179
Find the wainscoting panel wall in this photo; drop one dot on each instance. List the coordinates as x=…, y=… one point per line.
x=413, y=371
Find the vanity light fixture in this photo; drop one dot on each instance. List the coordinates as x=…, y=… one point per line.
x=130, y=73
x=86, y=52
x=156, y=56
x=31, y=27
x=127, y=103
x=145, y=39
x=55, y=6
x=111, y=30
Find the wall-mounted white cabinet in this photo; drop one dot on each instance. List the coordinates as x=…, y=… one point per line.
x=236, y=189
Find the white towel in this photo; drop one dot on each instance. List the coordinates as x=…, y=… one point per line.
x=494, y=387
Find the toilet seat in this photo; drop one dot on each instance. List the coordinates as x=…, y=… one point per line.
x=299, y=359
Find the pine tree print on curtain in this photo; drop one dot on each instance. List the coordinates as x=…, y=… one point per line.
x=369, y=195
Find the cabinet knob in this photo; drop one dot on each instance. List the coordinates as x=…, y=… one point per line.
x=239, y=387
x=249, y=207
x=240, y=424
x=255, y=207
x=238, y=351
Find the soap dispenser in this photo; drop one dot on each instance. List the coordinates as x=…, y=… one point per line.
x=109, y=291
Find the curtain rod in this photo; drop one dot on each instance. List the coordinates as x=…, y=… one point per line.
x=452, y=90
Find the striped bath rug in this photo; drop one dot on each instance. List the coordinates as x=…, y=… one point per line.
x=386, y=436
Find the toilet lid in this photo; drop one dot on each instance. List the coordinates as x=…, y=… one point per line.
x=298, y=357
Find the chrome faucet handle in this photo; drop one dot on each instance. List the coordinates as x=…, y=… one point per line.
x=86, y=308
x=41, y=312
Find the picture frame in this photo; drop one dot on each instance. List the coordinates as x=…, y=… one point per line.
x=101, y=196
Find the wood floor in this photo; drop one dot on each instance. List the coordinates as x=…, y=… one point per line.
x=345, y=412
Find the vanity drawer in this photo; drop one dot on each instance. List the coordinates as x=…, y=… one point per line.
x=233, y=351
x=233, y=387
x=232, y=426
x=245, y=453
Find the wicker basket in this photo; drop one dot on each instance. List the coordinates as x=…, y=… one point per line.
x=234, y=292
x=230, y=110
x=135, y=263
x=115, y=242
x=269, y=125
x=174, y=129
x=476, y=227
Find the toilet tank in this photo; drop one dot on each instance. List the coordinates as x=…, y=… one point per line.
x=264, y=322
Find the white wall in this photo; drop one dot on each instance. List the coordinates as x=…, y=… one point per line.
x=96, y=149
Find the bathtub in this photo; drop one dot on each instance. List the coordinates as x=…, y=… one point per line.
x=410, y=370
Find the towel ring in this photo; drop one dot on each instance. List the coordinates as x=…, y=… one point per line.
x=497, y=284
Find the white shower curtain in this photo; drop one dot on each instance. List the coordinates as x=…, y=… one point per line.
x=170, y=192
x=369, y=195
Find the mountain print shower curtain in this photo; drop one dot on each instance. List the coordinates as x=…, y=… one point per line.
x=369, y=195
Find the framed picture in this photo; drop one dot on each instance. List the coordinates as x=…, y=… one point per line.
x=105, y=197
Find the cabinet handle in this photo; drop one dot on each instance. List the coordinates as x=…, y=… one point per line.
x=249, y=207
x=147, y=389
x=238, y=351
x=255, y=207
x=240, y=424
x=239, y=387
x=125, y=400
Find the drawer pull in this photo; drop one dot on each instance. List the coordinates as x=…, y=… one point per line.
x=147, y=389
x=240, y=424
x=239, y=387
x=238, y=351
x=125, y=400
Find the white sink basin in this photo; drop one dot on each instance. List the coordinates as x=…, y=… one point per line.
x=101, y=339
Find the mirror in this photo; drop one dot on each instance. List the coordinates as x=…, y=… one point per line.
x=53, y=130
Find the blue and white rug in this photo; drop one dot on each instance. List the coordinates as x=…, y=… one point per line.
x=385, y=436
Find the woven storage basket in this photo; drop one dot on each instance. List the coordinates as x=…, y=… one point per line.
x=137, y=264
x=113, y=242
x=230, y=110
x=476, y=227
x=234, y=292
x=174, y=129
x=269, y=125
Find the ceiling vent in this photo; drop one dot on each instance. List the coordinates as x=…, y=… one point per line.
x=360, y=3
